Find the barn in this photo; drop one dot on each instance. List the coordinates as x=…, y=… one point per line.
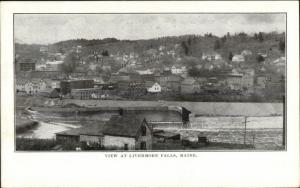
x=120, y=132
x=128, y=133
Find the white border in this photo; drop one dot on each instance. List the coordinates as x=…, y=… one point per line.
x=277, y=169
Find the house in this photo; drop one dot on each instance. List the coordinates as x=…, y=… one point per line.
x=32, y=86
x=120, y=132
x=128, y=133
x=86, y=93
x=144, y=72
x=177, y=69
x=264, y=55
x=43, y=49
x=50, y=93
x=40, y=66
x=137, y=89
x=106, y=68
x=280, y=65
x=20, y=85
x=246, y=53
x=247, y=81
x=148, y=77
x=26, y=66
x=123, y=87
x=211, y=56
x=163, y=77
x=54, y=65
x=118, y=78
x=190, y=86
x=234, y=81
x=67, y=85
x=153, y=87
x=173, y=83
x=280, y=61
x=161, y=48
x=238, y=58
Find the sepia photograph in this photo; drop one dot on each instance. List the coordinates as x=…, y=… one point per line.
x=150, y=82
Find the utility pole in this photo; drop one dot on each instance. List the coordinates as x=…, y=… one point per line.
x=245, y=129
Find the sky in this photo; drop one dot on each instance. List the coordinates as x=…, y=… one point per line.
x=51, y=28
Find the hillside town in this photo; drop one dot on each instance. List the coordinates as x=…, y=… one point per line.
x=165, y=72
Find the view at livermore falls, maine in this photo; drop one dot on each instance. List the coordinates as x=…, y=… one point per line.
x=150, y=82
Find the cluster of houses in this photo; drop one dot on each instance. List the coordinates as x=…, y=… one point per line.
x=140, y=81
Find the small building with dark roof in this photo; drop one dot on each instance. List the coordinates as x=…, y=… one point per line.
x=128, y=133
x=120, y=132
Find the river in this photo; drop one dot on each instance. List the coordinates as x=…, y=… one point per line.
x=219, y=121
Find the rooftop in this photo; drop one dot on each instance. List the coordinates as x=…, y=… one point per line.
x=123, y=126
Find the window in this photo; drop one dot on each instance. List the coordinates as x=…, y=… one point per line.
x=144, y=130
x=125, y=146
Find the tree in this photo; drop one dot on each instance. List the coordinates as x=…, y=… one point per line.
x=260, y=36
x=70, y=63
x=223, y=39
x=255, y=36
x=167, y=61
x=185, y=47
x=230, y=56
x=105, y=53
x=217, y=44
x=260, y=58
x=282, y=46
x=190, y=61
x=228, y=35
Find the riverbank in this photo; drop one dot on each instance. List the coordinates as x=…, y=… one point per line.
x=23, y=125
x=207, y=108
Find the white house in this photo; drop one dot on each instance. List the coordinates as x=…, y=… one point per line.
x=211, y=56
x=30, y=86
x=178, y=70
x=161, y=48
x=155, y=88
x=246, y=53
x=40, y=66
x=54, y=65
x=144, y=72
x=238, y=58
x=280, y=61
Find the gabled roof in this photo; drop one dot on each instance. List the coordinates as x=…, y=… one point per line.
x=118, y=78
x=149, y=83
x=127, y=126
x=175, y=78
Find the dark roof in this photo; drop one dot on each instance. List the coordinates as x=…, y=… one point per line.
x=149, y=83
x=166, y=134
x=127, y=126
x=175, y=78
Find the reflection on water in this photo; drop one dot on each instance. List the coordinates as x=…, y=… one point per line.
x=46, y=130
